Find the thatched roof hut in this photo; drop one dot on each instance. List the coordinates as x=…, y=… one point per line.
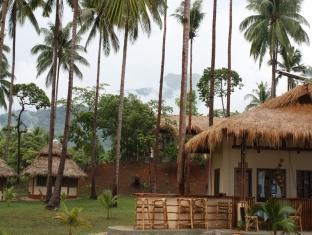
x=285, y=119
x=5, y=170
x=199, y=124
x=39, y=166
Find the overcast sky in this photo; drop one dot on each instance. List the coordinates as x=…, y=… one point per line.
x=143, y=66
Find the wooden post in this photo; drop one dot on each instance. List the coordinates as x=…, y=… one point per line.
x=243, y=168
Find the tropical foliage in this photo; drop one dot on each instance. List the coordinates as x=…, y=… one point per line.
x=108, y=201
x=45, y=53
x=274, y=25
x=71, y=218
x=221, y=79
x=275, y=213
x=9, y=195
x=258, y=96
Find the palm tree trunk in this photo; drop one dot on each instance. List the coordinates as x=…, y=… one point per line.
x=57, y=81
x=11, y=85
x=5, y=4
x=213, y=64
x=274, y=62
x=160, y=97
x=55, y=198
x=120, y=111
x=182, y=121
x=94, y=126
x=188, y=156
x=18, y=165
x=56, y=64
x=229, y=75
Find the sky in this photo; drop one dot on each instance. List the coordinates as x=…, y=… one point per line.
x=144, y=56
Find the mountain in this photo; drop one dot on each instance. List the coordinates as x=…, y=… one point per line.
x=171, y=90
x=40, y=118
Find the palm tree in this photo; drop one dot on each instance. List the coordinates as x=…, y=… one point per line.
x=129, y=15
x=160, y=99
x=213, y=64
x=95, y=18
x=45, y=54
x=196, y=17
x=182, y=121
x=291, y=62
x=19, y=11
x=55, y=198
x=4, y=10
x=258, y=96
x=272, y=27
x=229, y=88
x=47, y=9
x=275, y=213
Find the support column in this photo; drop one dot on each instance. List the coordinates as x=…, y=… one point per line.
x=243, y=168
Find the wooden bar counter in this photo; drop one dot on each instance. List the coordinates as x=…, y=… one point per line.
x=214, y=218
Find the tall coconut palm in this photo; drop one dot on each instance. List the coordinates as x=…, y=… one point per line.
x=130, y=15
x=213, y=64
x=273, y=26
x=55, y=198
x=291, y=62
x=57, y=26
x=19, y=11
x=95, y=19
x=160, y=99
x=45, y=54
x=258, y=96
x=196, y=17
x=182, y=121
x=4, y=10
x=229, y=88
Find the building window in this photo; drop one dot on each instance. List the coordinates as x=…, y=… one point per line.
x=271, y=183
x=70, y=182
x=304, y=184
x=41, y=181
x=238, y=182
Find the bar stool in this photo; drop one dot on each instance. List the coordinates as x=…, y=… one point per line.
x=200, y=212
x=185, y=209
x=224, y=213
x=160, y=209
x=142, y=208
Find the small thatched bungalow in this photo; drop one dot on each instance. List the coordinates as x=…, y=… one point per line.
x=38, y=172
x=269, y=146
x=5, y=173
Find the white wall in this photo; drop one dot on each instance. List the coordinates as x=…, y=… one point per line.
x=227, y=159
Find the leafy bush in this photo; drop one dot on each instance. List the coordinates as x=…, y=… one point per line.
x=71, y=217
x=170, y=151
x=9, y=195
x=108, y=201
x=275, y=214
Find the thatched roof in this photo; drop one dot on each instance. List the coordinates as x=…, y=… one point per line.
x=5, y=170
x=56, y=150
x=287, y=117
x=199, y=124
x=40, y=165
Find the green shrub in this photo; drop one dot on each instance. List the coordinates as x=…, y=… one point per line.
x=9, y=195
x=275, y=214
x=71, y=217
x=108, y=201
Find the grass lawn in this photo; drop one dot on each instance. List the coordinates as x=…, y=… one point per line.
x=31, y=218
